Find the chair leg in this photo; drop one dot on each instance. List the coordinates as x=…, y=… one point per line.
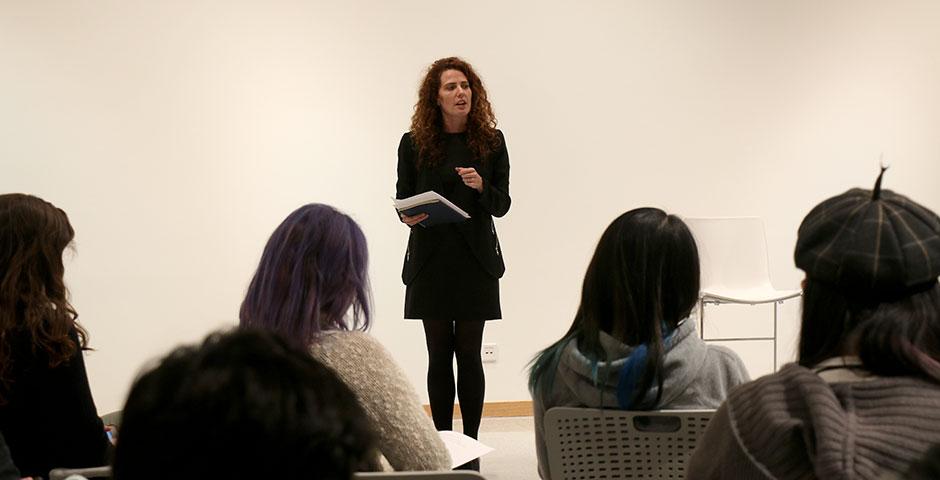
x=776, y=304
x=701, y=318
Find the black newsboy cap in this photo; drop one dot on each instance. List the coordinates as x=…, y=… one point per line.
x=870, y=243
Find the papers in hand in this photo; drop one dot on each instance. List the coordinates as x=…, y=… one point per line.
x=439, y=209
x=462, y=448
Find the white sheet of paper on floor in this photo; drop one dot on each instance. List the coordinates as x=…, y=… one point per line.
x=462, y=448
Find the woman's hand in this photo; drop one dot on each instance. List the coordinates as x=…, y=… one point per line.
x=471, y=178
x=412, y=221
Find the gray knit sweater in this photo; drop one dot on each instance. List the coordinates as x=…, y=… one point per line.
x=794, y=425
x=696, y=376
x=407, y=438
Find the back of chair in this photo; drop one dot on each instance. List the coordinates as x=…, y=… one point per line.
x=733, y=252
x=448, y=475
x=590, y=443
x=89, y=473
x=733, y=255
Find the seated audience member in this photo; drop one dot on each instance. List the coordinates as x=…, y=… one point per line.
x=312, y=288
x=244, y=404
x=632, y=344
x=863, y=399
x=8, y=471
x=47, y=414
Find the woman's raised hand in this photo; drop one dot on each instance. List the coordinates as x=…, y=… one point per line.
x=471, y=178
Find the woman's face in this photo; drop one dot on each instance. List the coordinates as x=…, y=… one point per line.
x=454, y=95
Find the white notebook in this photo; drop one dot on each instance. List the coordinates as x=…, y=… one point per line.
x=439, y=209
x=462, y=448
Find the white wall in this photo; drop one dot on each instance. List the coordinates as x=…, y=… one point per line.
x=177, y=135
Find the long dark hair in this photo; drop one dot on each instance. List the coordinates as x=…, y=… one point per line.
x=313, y=269
x=33, y=298
x=899, y=337
x=427, y=123
x=644, y=277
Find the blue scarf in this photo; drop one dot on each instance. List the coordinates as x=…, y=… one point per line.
x=633, y=368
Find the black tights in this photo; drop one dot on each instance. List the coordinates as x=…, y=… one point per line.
x=446, y=338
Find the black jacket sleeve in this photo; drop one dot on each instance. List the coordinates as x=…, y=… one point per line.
x=407, y=171
x=82, y=440
x=495, y=196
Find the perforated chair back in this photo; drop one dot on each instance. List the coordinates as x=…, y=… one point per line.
x=590, y=443
x=448, y=475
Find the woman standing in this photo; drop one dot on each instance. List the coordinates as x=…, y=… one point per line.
x=452, y=271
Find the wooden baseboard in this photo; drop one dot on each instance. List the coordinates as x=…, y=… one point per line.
x=497, y=409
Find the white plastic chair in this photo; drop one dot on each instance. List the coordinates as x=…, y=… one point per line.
x=733, y=254
x=592, y=443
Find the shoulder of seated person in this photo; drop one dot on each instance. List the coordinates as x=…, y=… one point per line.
x=351, y=337
x=788, y=375
x=724, y=352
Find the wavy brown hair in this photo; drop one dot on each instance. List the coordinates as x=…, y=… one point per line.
x=427, y=123
x=33, y=298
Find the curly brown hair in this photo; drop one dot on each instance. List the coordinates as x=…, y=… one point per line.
x=427, y=123
x=33, y=298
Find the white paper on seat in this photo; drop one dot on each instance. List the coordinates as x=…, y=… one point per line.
x=462, y=448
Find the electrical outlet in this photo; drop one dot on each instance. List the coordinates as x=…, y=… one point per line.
x=490, y=352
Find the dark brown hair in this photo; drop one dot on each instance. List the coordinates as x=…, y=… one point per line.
x=33, y=297
x=264, y=408
x=427, y=123
x=892, y=338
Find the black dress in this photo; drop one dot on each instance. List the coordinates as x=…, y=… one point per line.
x=452, y=271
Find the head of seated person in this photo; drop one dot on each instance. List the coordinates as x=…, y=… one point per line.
x=34, y=304
x=312, y=277
x=871, y=259
x=244, y=404
x=638, y=293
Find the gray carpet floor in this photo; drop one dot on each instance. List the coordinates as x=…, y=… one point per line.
x=513, y=440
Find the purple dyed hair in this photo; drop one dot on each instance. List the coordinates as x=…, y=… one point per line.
x=313, y=269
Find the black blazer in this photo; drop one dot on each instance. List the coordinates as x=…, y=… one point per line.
x=50, y=419
x=479, y=230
